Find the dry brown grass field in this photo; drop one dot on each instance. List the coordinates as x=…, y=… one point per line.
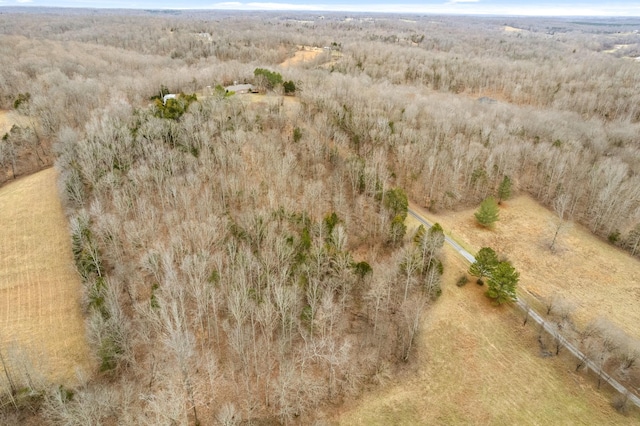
x=509, y=29
x=476, y=364
x=304, y=54
x=5, y=122
x=599, y=279
x=8, y=119
x=39, y=288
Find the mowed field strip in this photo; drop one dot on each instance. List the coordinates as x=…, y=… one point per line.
x=478, y=365
x=40, y=291
x=597, y=278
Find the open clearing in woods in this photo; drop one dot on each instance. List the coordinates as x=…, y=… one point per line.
x=598, y=278
x=304, y=54
x=476, y=364
x=39, y=288
x=8, y=119
x=5, y=122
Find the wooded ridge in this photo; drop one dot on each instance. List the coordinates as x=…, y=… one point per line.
x=245, y=257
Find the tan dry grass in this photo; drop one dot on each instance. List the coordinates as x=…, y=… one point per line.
x=269, y=99
x=5, y=122
x=598, y=278
x=478, y=365
x=618, y=47
x=8, y=119
x=39, y=288
x=302, y=55
x=509, y=29
x=290, y=104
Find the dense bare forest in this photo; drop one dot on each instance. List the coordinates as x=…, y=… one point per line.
x=248, y=260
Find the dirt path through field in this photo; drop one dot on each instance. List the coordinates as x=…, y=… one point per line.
x=41, y=322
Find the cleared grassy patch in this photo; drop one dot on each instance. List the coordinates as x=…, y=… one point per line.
x=477, y=364
x=6, y=122
x=8, y=119
x=598, y=278
x=304, y=54
x=40, y=290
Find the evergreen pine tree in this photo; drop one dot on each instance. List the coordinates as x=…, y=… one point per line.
x=487, y=214
x=504, y=190
x=502, y=283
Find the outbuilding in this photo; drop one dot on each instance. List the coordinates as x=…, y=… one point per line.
x=168, y=96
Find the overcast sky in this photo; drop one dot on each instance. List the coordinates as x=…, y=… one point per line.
x=492, y=7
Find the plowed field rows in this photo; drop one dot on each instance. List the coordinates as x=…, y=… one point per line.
x=41, y=322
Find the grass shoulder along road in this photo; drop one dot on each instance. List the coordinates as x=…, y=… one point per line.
x=598, y=279
x=477, y=364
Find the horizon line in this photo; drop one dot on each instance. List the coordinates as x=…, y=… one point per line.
x=444, y=9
